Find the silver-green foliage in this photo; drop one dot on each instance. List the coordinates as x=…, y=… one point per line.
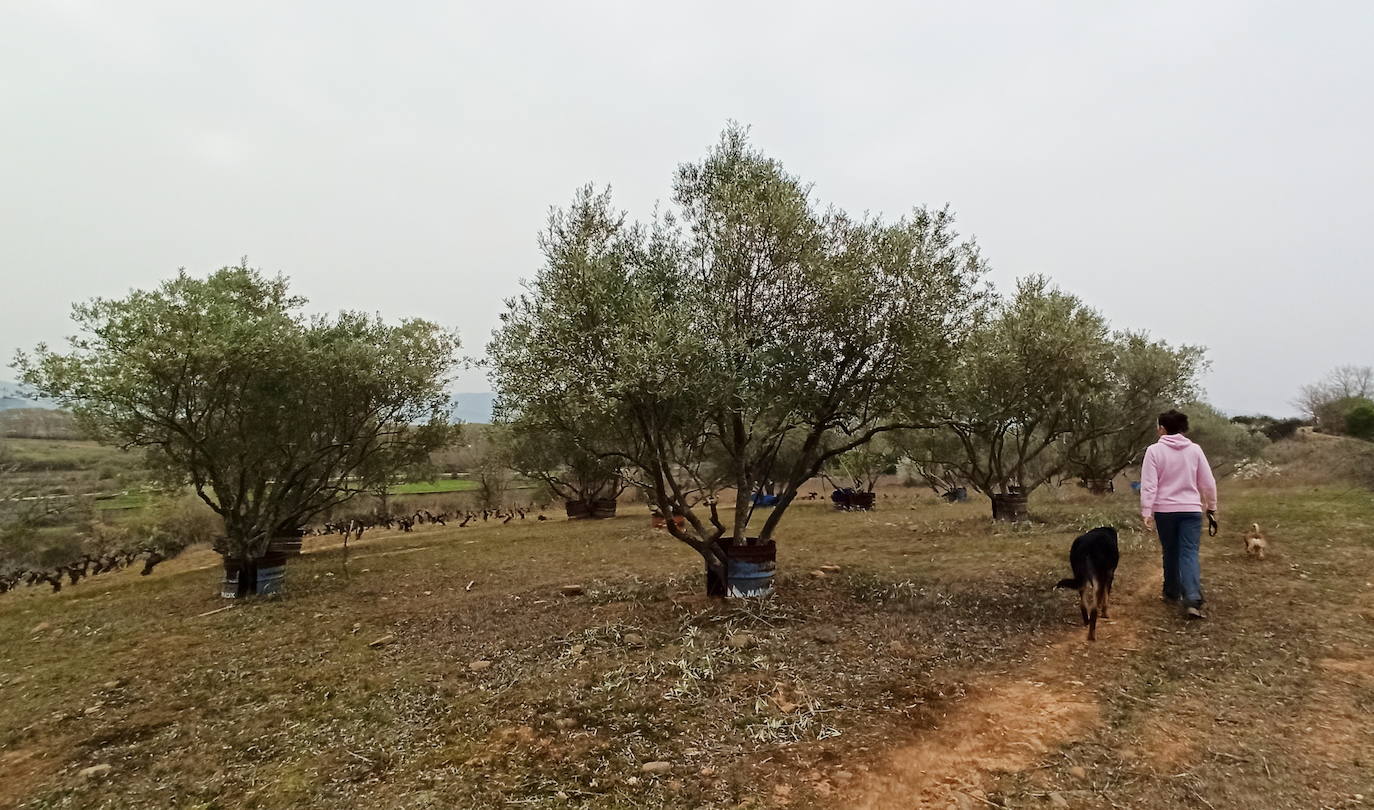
x=694, y=348
x=1143, y=378
x=1225, y=442
x=272, y=416
x=1043, y=387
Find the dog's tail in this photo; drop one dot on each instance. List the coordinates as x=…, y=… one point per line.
x=1256, y=527
x=1069, y=583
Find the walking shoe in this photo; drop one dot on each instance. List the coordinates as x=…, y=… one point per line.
x=1193, y=613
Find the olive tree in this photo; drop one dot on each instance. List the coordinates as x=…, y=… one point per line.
x=554, y=458
x=271, y=416
x=1018, y=391
x=1044, y=388
x=489, y=463
x=1116, y=422
x=860, y=468
x=743, y=319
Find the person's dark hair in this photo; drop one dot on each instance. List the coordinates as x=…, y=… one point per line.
x=1173, y=422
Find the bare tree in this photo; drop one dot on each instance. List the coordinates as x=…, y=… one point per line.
x=1321, y=401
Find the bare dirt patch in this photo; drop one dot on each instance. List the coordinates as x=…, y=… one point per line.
x=1010, y=721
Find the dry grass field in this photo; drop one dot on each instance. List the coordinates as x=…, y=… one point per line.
x=915, y=656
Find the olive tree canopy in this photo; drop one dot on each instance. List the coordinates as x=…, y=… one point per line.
x=568, y=470
x=1117, y=422
x=744, y=321
x=272, y=416
x=1043, y=387
x=1019, y=388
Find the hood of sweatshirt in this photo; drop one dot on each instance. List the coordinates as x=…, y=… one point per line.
x=1176, y=441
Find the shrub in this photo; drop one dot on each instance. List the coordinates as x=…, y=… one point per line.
x=1331, y=416
x=1327, y=401
x=1273, y=429
x=1359, y=421
x=174, y=525
x=1226, y=442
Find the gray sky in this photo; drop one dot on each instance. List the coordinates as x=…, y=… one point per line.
x=1201, y=170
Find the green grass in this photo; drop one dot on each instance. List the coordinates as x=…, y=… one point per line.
x=125, y=500
x=429, y=487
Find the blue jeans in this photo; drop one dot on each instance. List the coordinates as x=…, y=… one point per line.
x=1180, y=537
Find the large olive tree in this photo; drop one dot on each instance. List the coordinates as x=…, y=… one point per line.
x=1018, y=389
x=270, y=415
x=745, y=319
x=1116, y=422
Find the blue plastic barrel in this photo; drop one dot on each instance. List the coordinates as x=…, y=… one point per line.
x=264, y=576
x=270, y=579
x=749, y=568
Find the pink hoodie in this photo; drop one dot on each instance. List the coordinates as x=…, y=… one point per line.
x=1175, y=477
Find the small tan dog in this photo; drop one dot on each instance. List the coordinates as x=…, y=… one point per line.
x=1254, y=542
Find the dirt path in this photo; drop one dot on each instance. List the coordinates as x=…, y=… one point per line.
x=1009, y=722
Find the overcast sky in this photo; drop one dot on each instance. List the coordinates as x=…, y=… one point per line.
x=1201, y=170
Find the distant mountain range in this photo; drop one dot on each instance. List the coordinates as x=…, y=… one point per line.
x=13, y=396
x=468, y=407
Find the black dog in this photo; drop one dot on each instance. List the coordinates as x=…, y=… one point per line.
x=1093, y=558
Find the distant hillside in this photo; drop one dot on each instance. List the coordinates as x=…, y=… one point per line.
x=473, y=407
x=468, y=407
x=37, y=423
x=13, y=395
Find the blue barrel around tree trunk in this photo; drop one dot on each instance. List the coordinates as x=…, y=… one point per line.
x=749, y=567
x=263, y=576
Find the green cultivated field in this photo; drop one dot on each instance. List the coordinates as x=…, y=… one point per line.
x=427, y=487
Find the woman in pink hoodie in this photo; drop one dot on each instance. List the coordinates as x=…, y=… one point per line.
x=1176, y=486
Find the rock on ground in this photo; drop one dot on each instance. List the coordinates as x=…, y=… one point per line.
x=96, y=772
x=740, y=641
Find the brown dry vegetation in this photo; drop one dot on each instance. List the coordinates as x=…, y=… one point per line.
x=935, y=668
